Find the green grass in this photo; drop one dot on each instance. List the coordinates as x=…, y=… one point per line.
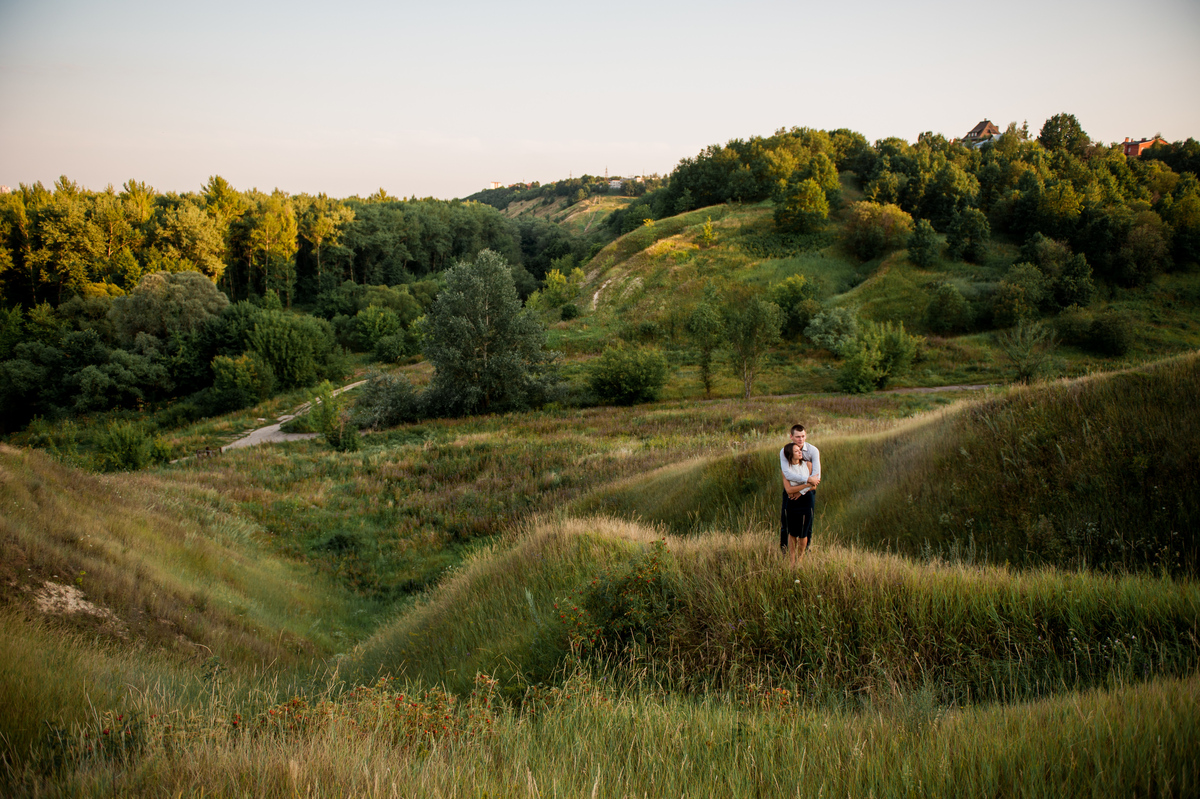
x=1100, y=471
x=589, y=740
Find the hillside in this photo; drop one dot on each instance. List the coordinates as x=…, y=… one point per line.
x=1104, y=467
x=225, y=587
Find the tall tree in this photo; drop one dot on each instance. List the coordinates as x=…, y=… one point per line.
x=322, y=223
x=272, y=241
x=488, y=353
x=1063, y=131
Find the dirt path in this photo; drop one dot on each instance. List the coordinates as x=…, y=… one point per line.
x=271, y=433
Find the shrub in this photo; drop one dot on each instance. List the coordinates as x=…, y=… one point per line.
x=390, y=349
x=1110, y=334
x=879, y=354
x=796, y=298
x=872, y=229
x=1074, y=325
x=570, y=311
x=631, y=602
x=386, y=401
x=948, y=310
x=833, y=329
x=240, y=382
x=126, y=446
x=329, y=416
x=1029, y=347
x=373, y=323
x=801, y=207
x=626, y=375
x=299, y=349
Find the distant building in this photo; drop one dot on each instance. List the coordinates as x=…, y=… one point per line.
x=495, y=184
x=5, y=190
x=615, y=184
x=982, y=133
x=1133, y=149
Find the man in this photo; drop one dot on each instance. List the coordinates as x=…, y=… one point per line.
x=807, y=491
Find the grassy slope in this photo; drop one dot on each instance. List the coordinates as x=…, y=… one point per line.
x=181, y=575
x=642, y=285
x=1102, y=469
x=853, y=624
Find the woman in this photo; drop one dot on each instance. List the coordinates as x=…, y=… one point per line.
x=798, y=511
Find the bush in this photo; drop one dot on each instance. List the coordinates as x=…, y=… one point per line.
x=1029, y=347
x=126, y=446
x=880, y=353
x=1074, y=325
x=240, y=382
x=1110, y=334
x=630, y=603
x=299, y=349
x=386, y=401
x=833, y=329
x=626, y=375
x=801, y=207
x=570, y=311
x=373, y=323
x=796, y=298
x=873, y=229
x=948, y=310
x=391, y=349
x=328, y=415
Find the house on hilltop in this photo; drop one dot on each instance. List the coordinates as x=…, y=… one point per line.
x=1133, y=149
x=982, y=133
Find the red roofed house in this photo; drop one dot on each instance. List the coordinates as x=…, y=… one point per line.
x=983, y=132
x=1135, y=148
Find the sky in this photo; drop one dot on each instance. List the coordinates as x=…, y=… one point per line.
x=439, y=99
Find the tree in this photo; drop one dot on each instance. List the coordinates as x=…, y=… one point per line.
x=273, y=242
x=923, y=245
x=321, y=224
x=1063, y=131
x=190, y=240
x=706, y=332
x=488, y=353
x=801, y=207
x=164, y=303
x=751, y=327
x=968, y=236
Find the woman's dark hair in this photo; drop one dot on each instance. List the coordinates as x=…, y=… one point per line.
x=788, y=451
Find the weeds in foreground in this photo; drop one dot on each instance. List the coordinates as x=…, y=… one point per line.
x=587, y=737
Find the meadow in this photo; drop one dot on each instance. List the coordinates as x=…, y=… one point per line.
x=589, y=602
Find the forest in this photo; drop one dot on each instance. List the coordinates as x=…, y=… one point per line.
x=134, y=299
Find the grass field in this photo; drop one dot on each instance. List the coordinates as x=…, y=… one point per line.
x=589, y=601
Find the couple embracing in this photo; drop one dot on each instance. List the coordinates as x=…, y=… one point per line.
x=800, y=463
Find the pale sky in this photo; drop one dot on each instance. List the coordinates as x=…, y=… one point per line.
x=438, y=99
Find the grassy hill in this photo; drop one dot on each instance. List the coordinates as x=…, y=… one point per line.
x=1098, y=471
x=127, y=582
